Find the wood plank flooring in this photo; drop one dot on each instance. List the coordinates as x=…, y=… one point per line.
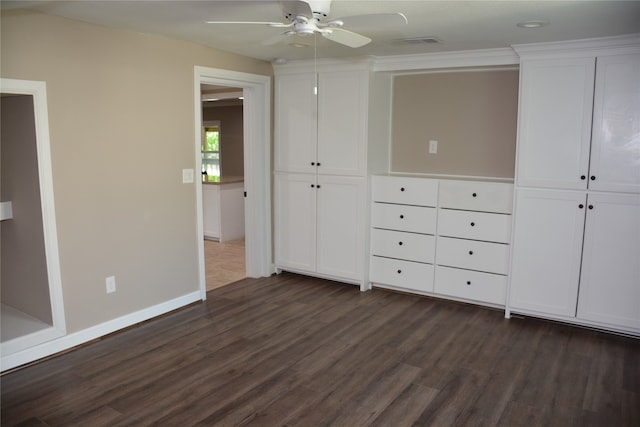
x=297, y=351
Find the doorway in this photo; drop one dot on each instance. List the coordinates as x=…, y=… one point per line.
x=256, y=91
x=223, y=184
x=32, y=310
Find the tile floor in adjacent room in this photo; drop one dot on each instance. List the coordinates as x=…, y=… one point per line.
x=224, y=262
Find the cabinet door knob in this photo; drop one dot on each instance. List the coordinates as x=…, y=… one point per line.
x=470, y=252
x=582, y=177
x=473, y=224
x=313, y=163
x=468, y=282
x=401, y=216
x=313, y=186
x=593, y=177
x=474, y=194
x=400, y=243
x=318, y=164
x=318, y=186
x=401, y=188
x=590, y=206
x=399, y=271
x=581, y=206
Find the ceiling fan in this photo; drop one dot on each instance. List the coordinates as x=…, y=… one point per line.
x=309, y=17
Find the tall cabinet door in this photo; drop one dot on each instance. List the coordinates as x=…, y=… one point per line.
x=615, y=152
x=610, y=279
x=546, y=253
x=295, y=221
x=342, y=122
x=556, y=97
x=340, y=232
x=296, y=123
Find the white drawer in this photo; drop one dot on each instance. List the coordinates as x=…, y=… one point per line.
x=472, y=285
x=402, y=245
x=402, y=190
x=417, y=219
x=404, y=274
x=476, y=196
x=490, y=227
x=481, y=256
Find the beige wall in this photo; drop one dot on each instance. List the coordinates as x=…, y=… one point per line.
x=231, y=137
x=472, y=115
x=25, y=283
x=121, y=116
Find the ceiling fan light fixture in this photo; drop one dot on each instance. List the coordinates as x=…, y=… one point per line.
x=532, y=24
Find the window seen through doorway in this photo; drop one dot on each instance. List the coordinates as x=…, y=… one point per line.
x=211, y=151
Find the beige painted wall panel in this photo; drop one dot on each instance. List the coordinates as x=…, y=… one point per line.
x=121, y=116
x=25, y=283
x=472, y=115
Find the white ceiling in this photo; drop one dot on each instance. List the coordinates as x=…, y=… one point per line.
x=460, y=25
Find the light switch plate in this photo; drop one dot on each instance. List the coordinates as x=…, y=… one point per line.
x=433, y=146
x=187, y=176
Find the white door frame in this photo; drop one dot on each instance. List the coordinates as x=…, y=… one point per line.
x=257, y=166
x=38, y=90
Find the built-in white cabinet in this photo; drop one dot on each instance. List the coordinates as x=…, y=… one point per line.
x=579, y=123
x=576, y=243
x=321, y=166
x=223, y=211
x=473, y=236
x=403, y=229
x=323, y=133
x=318, y=220
x=547, y=249
x=448, y=238
x=577, y=256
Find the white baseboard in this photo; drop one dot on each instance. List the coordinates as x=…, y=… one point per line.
x=68, y=341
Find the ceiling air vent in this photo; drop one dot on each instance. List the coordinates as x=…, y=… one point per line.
x=419, y=40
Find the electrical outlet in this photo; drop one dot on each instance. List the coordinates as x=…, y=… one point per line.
x=433, y=146
x=111, y=284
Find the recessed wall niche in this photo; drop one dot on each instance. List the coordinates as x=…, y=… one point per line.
x=471, y=113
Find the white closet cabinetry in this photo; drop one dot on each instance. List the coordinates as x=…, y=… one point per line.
x=324, y=133
x=576, y=244
x=318, y=223
x=559, y=146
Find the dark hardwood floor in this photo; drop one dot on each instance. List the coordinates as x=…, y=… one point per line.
x=292, y=350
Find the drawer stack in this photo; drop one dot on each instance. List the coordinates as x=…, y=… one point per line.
x=403, y=221
x=473, y=235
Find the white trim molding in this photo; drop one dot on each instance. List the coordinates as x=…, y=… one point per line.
x=463, y=58
x=602, y=46
x=69, y=341
x=38, y=90
x=257, y=166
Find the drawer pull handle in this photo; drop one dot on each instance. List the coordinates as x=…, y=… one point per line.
x=468, y=282
x=401, y=188
x=473, y=224
x=401, y=216
x=470, y=252
x=400, y=243
x=474, y=194
x=399, y=271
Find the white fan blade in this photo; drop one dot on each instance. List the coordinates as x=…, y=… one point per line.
x=347, y=38
x=296, y=8
x=374, y=20
x=276, y=39
x=271, y=24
